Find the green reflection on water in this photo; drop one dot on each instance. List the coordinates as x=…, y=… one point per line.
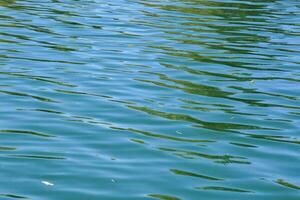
x=134, y=99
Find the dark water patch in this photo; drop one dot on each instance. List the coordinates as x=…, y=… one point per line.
x=138, y=141
x=12, y=196
x=7, y=148
x=24, y=132
x=287, y=184
x=243, y=145
x=48, y=111
x=209, y=125
x=186, y=173
x=223, y=159
x=38, y=157
x=37, y=78
x=163, y=197
x=155, y=135
x=276, y=138
x=39, y=98
x=224, y=189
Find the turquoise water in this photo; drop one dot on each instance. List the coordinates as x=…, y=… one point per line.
x=156, y=99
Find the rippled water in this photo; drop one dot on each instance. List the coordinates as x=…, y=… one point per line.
x=156, y=99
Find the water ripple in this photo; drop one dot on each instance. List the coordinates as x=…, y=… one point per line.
x=136, y=99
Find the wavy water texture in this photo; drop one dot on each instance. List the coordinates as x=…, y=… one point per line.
x=156, y=99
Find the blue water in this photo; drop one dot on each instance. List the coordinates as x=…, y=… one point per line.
x=157, y=99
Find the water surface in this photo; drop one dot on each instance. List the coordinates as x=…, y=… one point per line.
x=156, y=99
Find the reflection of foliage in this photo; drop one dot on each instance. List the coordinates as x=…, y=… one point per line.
x=224, y=189
x=163, y=197
x=213, y=8
x=217, y=126
x=6, y=2
x=186, y=173
x=219, y=26
x=286, y=184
